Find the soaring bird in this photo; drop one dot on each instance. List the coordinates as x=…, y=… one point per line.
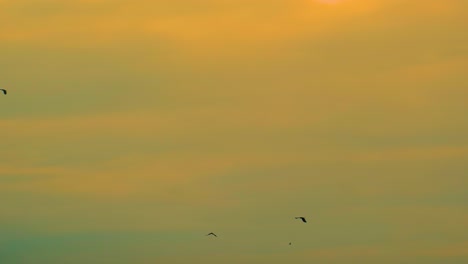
x=212, y=234
x=4, y=91
x=302, y=218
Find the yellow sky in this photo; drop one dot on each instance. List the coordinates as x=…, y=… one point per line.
x=133, y=128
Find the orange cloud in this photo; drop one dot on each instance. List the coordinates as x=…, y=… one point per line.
x=208, y=27
x=434, y=71
x=406, y=154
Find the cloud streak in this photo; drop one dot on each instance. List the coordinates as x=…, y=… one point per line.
x=143, y=125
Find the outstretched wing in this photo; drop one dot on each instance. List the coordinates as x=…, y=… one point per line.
x=4, y=91
x=302, y=218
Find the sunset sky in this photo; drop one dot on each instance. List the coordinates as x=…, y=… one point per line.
x=132, y=128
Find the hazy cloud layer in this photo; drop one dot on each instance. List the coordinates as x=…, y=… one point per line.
x=133, y=128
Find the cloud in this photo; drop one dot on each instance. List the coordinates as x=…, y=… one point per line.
x=407, y=154
x=204, y=27
x=434, y=71
x=337, y=253
x=450, y=251
x=185, y=116
x=330, y=1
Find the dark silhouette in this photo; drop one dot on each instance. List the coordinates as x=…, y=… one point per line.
x=212, y=234
x=289, y=243
x=4, y=91
x=302, y=218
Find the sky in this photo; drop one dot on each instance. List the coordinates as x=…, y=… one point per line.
x=132, y=128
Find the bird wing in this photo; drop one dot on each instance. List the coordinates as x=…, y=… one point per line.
x=302, y=218
x=4, y=91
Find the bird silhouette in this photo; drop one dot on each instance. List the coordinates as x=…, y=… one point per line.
x=302, y=218
x=4, y=91
x=212, y=234
x=289, y=243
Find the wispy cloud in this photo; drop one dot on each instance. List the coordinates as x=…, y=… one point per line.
x=176, y=118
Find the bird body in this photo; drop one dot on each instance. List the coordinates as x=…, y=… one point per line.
x=302, y=218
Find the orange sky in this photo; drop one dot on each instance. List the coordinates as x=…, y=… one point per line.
x=133, y=128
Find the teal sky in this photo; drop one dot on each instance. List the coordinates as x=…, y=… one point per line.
x=133, y=128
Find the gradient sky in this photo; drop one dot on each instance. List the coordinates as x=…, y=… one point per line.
x=132, y=128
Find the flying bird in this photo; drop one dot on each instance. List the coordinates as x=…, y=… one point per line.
x=212, y=234
x=302, y=218
x=4, y=91
x=289, y=243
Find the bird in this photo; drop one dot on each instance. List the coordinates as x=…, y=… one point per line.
x=4, y=91
x=289, y=243
x=212, y=234
x=302, y=218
